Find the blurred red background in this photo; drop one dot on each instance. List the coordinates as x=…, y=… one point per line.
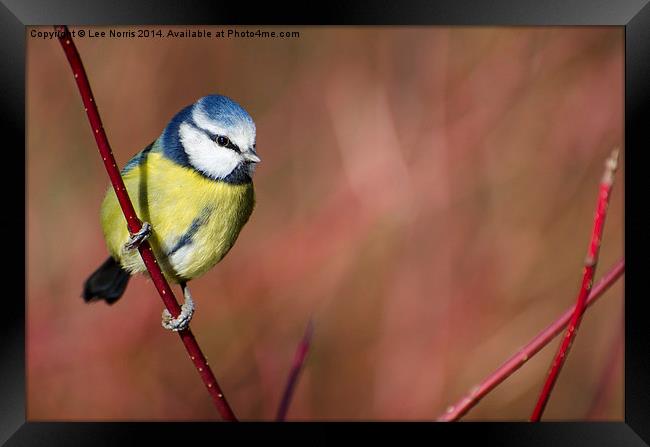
x=426, y=194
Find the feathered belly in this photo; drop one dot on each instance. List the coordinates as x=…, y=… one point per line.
x=195, y=220
x=192, y=256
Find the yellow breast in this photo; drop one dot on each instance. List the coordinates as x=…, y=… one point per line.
x=195, y=220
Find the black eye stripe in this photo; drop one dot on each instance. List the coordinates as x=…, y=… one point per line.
x=214, y=137
x=232, y=146
x=229, y=144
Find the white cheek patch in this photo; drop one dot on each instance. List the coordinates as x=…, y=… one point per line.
x=205, y=155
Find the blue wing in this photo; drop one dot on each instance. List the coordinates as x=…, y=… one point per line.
x=137, y=159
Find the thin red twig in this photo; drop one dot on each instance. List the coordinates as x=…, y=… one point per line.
x=298, y=362
x=531, y=348
x=587, y=278
x=134, y=224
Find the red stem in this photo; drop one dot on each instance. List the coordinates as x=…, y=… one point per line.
x=298, y=362
x=134, y=224
x=587, y=279
x=531, y=348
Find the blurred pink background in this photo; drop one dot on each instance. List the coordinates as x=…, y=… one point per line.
x=426, y=194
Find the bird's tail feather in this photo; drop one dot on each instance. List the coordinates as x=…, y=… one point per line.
x=108, y=282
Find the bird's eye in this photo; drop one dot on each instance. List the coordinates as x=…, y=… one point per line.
x=222, y=141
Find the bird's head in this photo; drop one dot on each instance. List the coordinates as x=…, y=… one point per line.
x=214, y=136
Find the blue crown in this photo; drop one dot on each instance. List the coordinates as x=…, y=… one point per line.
x=220, y=109
x=223, y=111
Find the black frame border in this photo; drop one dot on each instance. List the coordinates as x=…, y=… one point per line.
x=633, y=15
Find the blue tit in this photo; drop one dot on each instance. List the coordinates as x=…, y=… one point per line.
x=193, y=187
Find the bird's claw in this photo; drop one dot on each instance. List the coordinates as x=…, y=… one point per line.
x=181, y=322
x=138, y=238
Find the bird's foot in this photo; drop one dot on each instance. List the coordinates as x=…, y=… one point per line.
x=138, y=238
x=183, y=320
